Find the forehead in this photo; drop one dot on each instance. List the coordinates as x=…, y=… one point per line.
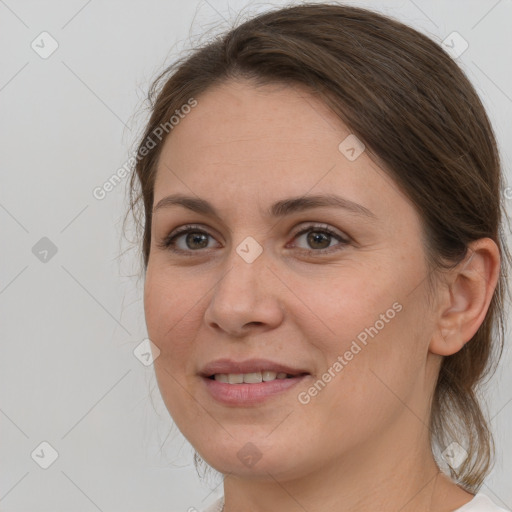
x=249, y=144
x=282, y=130
x=242, y=110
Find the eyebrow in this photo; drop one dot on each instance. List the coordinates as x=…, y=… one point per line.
x=281, y=208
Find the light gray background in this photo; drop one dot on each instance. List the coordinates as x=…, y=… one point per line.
x=69, y=325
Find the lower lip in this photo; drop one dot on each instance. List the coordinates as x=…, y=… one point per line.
x=249, y=394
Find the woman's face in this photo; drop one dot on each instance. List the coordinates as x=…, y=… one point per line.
x=344, y=310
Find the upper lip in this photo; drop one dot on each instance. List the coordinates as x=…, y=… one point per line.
x=248, y=366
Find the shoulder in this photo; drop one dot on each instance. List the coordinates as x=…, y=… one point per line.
x=481, y=503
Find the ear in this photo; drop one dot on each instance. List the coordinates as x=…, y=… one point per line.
x=465, y=299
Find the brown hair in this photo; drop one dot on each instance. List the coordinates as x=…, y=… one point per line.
x=418, y=116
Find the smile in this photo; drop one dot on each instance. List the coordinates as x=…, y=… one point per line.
x=236, y=392
x=250, y=378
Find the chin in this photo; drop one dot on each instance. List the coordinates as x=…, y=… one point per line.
x=251, y=460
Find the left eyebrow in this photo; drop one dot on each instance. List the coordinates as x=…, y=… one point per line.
x=280, y=208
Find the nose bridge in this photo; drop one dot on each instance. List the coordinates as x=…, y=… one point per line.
x=241, y=297
x=246, y=265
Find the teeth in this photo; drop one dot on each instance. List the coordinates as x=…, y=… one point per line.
x=252, y=378
x=249, y=378
x=235, y=378
x=268, y=375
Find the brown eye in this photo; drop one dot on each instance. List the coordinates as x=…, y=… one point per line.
x=194, y=239
x=319, y=239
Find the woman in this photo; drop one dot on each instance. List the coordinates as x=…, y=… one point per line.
x=324, y=263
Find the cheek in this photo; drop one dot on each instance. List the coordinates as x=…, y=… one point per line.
x=350, y=300
x=167, y=315
x=155, y=305
x=166, y=312
x=374, y=347
x=378, y=368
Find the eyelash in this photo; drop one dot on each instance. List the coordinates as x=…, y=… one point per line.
x=169, y=241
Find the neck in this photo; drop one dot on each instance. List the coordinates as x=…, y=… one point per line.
x=387, y=475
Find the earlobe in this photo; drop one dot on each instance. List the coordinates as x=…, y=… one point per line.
x=470, y=287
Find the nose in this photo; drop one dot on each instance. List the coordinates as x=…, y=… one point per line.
x=245, y=297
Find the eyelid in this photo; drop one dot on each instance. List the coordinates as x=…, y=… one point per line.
x=168, y=243
x=320, y=227
x=165, y=243
x=343, y=238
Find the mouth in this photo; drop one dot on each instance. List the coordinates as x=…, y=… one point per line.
x=253, y=377
x=254, y=370
x=249, y=383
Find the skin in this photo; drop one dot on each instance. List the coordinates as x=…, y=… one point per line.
x=362, y=442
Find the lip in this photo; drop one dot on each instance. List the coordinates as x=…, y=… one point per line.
x=243, y=395
x=240, y=395
x=248, y=366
